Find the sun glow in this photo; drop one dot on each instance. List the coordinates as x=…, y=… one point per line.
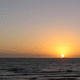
x=62, y=49
x=62, y=55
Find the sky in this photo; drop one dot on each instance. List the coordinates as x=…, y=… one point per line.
x=40, y=28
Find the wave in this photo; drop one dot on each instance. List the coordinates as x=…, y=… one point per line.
x=15, y=70
x=58, y=71
x=24, y=70
x=62, y=79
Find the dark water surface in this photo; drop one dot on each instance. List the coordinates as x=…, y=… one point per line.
x=39, y=69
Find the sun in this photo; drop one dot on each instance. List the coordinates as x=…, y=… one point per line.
x=62, y=55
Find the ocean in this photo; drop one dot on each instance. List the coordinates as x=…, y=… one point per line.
x=39, y=69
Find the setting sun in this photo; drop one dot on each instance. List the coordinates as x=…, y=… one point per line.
x=62, y=55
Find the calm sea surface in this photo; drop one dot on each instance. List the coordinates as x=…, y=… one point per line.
x=39, y=69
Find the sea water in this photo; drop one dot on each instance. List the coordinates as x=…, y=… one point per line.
x=39, y=69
